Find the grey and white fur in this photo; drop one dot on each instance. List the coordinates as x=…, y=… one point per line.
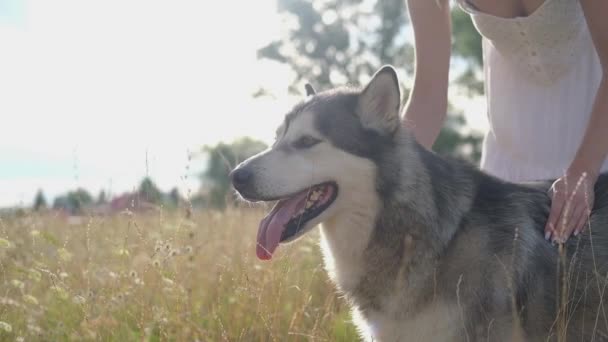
x=427, y=248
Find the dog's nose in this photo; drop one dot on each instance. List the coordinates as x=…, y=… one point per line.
x=240, y=177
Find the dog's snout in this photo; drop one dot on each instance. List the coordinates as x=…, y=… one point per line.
x=241, y=177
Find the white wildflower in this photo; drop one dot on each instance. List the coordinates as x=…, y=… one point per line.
x=5, y=326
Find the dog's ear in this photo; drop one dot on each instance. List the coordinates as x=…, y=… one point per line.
x=380, y=102
x=309, y=89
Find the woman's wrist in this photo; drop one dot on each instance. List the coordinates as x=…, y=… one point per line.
x=589, y=169
x=423, y=121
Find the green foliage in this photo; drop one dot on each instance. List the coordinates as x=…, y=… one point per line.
x=472, y=83
x=40, y=201
x=450, y=142
x=340, y=41
x=466, y=43
x=337, y=42
x=102, y=198
x=222, y=158
x=149, y=192
x=80, y=197
x=174, y=198
x=74, y=201
x=466, y=40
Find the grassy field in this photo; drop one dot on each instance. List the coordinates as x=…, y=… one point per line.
x=159, y=277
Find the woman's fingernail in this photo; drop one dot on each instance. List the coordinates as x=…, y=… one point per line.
x=576, y=232
x=547, y=235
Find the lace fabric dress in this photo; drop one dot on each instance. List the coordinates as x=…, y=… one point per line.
x=541, y=73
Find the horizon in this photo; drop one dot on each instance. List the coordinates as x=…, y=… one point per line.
x=98, y=95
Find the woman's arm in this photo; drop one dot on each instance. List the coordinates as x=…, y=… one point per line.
x=570, y=206
x=427, y=106
x=594, y=147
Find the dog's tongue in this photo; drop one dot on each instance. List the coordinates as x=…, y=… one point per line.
x=273, y=225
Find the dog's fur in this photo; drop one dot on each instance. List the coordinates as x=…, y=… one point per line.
x=427, y=248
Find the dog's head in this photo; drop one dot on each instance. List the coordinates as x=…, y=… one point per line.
x=323, y=151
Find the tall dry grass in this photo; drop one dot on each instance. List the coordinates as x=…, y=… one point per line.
x=159, y=277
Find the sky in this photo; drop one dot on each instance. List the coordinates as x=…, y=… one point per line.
x=99, y=94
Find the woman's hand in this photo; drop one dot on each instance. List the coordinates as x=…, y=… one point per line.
x=572, y=200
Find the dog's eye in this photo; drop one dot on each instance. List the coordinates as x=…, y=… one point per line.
x=306, y=141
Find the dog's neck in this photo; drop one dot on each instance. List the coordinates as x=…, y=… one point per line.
x=380, y=238
x=345, y=236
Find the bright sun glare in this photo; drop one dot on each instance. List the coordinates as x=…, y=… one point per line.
x=90, y=88
x=99, y=94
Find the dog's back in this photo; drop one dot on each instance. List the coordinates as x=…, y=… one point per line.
x=510, y=283
x=482, y=270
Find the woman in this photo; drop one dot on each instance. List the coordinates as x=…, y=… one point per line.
x=546, y=82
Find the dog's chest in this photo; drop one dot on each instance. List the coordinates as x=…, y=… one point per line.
x=343, y=243
x=396, y=318
x=437, y=322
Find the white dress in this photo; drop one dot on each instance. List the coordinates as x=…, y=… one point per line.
x=541, y=73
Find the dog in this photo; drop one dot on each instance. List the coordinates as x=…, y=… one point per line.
x=424, y=247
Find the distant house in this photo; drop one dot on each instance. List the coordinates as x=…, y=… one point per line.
x=130, y=201
x=146, y=198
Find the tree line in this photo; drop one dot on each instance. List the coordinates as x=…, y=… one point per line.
x=78, y=200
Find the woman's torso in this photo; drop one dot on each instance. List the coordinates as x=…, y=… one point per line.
x=541, y=75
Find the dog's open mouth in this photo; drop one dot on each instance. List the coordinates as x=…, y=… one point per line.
x=289, y=217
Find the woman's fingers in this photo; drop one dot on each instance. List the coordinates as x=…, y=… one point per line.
x=557, y=204
x=582, y=221
x=570, y=208
x=571, y=220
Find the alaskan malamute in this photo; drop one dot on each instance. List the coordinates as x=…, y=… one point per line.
x=425, y=248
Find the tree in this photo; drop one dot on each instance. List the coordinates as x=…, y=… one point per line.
x=467, y=45
x=101, y=198
x=60, y=202
x=79, y=199
x=174, y=197
x=340, y=41
x=149, y=192
x=74, y=201
x=222, y=158
x=466, y=41
x=40, y=201
x=336, y=42
x=80, y=196
x=453, y=143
